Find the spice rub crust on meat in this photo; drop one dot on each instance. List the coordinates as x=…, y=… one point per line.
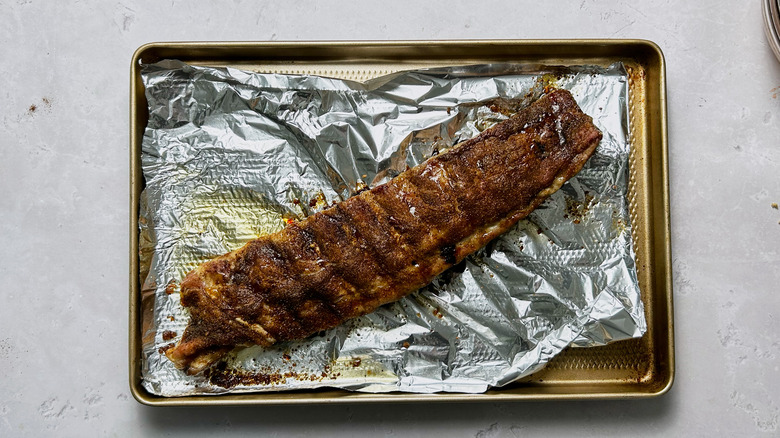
x=384, y=243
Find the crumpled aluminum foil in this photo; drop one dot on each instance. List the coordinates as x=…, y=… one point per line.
x=230, y=155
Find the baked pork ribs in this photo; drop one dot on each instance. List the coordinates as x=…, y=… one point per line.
x=383, y=243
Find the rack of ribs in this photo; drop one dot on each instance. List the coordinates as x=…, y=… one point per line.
x=382, y=244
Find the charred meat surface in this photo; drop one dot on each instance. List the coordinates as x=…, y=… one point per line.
x=383, y=243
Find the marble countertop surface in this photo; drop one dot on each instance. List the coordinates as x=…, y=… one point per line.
x=64, y=214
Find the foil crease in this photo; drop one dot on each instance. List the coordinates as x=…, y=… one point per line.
x=230, y=155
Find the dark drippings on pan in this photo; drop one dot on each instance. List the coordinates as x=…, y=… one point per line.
x=223, y=376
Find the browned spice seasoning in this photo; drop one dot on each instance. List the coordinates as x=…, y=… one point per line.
x=578, y=210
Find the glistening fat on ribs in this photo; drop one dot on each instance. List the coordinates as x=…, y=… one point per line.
x=385, y=243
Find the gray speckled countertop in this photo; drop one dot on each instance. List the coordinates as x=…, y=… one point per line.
x=64, y=214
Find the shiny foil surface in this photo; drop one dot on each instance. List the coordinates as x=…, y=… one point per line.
x=230, y=155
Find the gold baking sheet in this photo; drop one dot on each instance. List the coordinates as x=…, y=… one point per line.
x=635, y=368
